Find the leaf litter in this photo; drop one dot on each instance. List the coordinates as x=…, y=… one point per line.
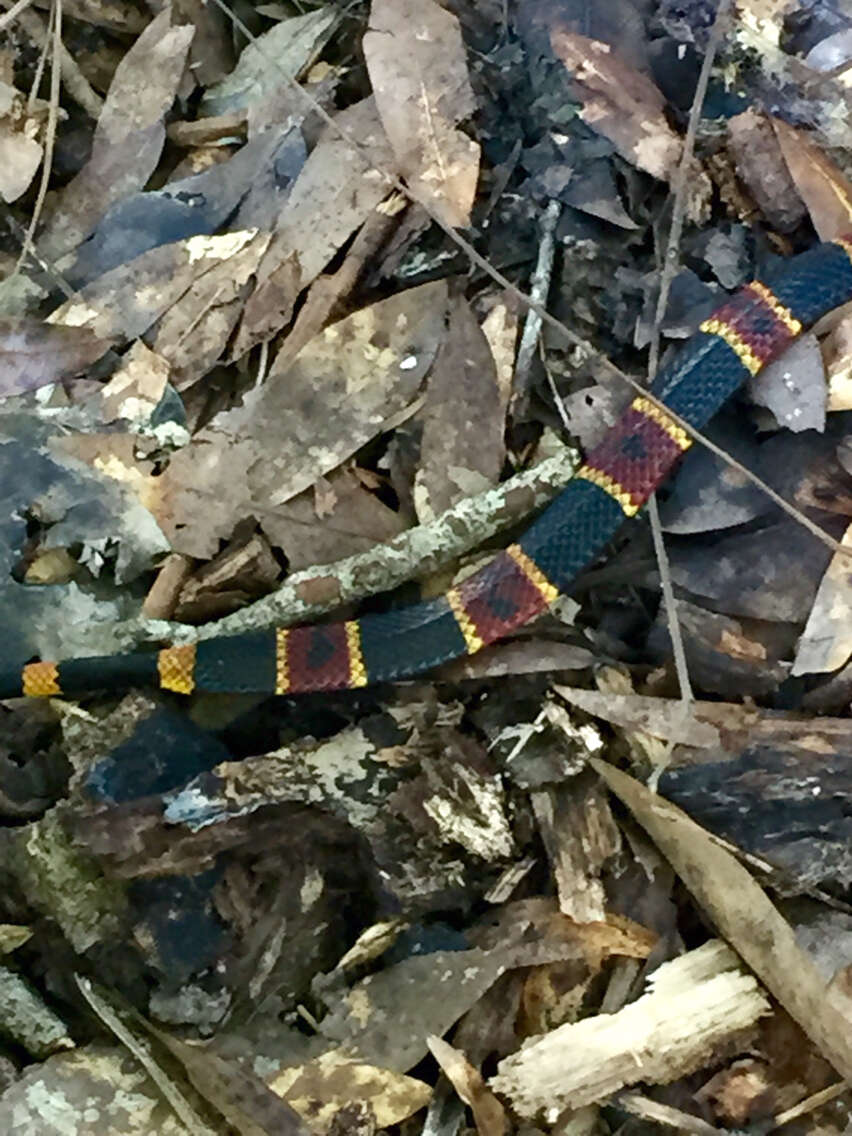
x=239, y=355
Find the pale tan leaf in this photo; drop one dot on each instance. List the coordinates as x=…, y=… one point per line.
x=20, y=157
x=13, y=936
x=837, y=354
x=500, y=328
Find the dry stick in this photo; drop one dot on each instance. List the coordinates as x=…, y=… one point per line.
x=50, y=136
x=669, y=264
x=47, y=267
x=143, y=1051
x=539, y=289
x=426, y=548
x=551, y=320
x=810, y=1104
x=35, y=86
x=645, y=1108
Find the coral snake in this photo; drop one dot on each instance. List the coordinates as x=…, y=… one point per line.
x=617, y=478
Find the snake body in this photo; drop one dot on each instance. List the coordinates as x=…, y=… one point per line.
x=617, y=478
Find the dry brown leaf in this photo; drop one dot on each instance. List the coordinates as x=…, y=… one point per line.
x=554, y=993
x=33, y=354
x=488, y=1114
x=240, y=573
x=662, y=717
x=761, y=167
x=826, y=642
x=212, y=55
x=741, y=911
x=334, y=194
x=136, y=387
x=620, y=102
x=129, y=136
x=193, y=334
x=294, y=44
x=89, y=1081
x=125, y=302
x=347, y=385
x=500, y=328
x=111, y=454
x=233, y=1090
x=418, y=69
x=328, y=291
x=116, y=15
x=823, y=186
x=162, y=596
x=524, y=656
x=462, y=450
x=385, y=1017
x=349, y=520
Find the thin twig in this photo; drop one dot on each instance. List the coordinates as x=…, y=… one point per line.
x=50, y=134
x=810, y=1104
x=73, y=79
x=670, y=262
x=14, y=12
x=539, y=290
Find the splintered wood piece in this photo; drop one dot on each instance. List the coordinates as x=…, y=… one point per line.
x=694, y=1005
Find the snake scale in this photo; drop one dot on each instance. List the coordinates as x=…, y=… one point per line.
x=617, y=478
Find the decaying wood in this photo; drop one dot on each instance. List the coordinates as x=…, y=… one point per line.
x=744, y=914
x=696, y=1006
x=580, y=835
